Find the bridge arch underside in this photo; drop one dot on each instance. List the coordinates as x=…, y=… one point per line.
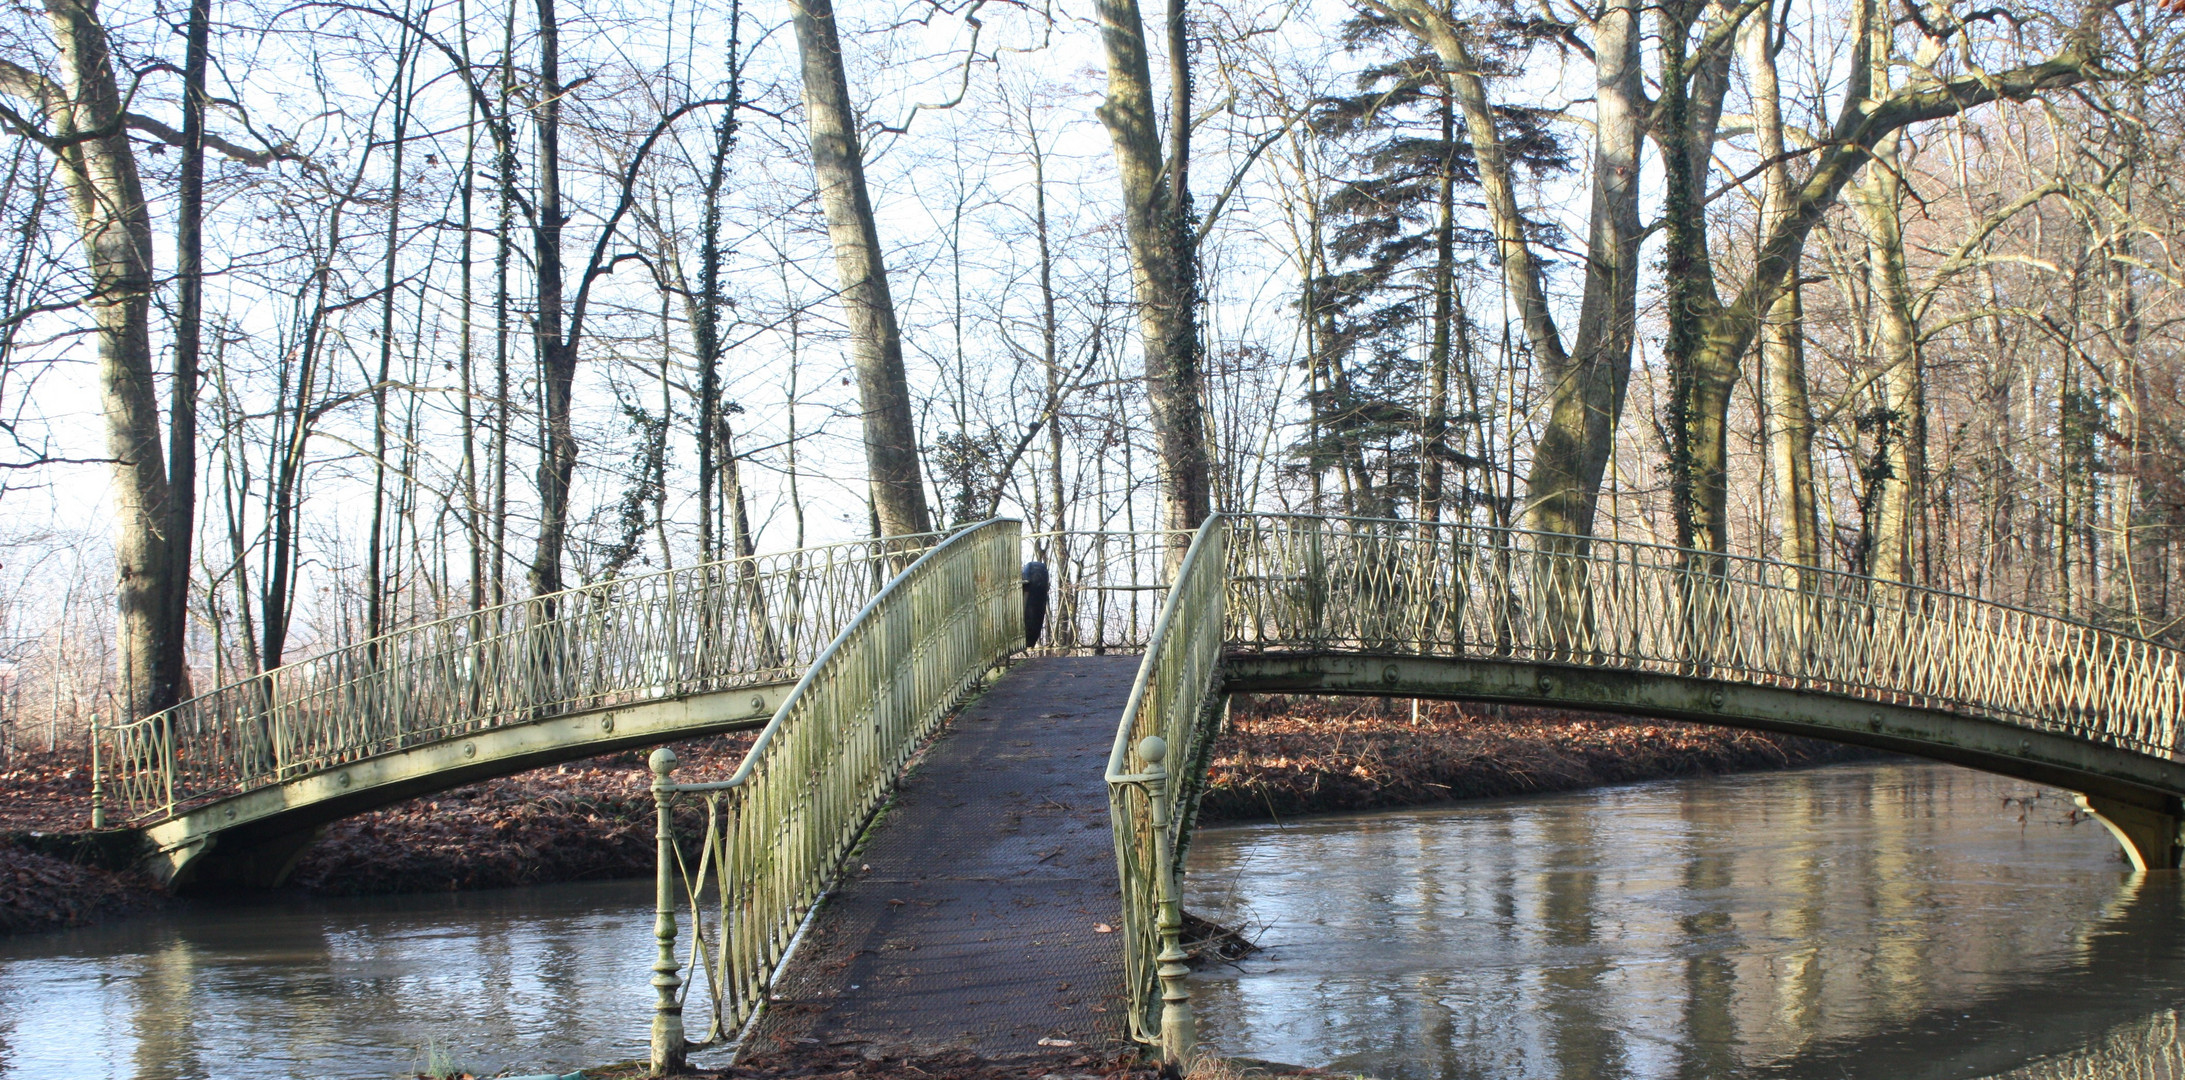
x=2139, y=797
x=254, y=839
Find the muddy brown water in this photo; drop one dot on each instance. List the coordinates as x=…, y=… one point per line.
x=1872, y=920
x=1883, y=920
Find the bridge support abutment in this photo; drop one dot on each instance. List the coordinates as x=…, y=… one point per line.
x=2149, y=836
x=258, y=862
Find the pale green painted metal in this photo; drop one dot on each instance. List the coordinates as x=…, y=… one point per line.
x=1108, y=586
x=1280, y=584
x=1175, y=701
x=1431, y=589
x=778, y=828
x=716, y=626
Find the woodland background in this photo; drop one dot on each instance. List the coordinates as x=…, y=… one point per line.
x=323, y=317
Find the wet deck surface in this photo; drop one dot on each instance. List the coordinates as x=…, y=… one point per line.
x=972, y=918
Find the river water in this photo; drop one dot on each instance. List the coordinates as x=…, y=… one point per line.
x=1885, y=920
x=545, y=979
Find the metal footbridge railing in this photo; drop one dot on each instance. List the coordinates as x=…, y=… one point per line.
x=778, y=829
x=1258, y=584
x=676, y=633
x=884, y=641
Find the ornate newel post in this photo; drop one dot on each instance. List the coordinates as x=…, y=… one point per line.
x=1179, y=1033
x=98, y=787
x=667, y=1017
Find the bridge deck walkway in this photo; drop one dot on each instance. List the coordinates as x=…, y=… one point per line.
x=972, y=917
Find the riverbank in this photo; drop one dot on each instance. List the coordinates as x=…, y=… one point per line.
x=1284, y=756
x=593, y=820
x=837, y=1063
x=590, y=820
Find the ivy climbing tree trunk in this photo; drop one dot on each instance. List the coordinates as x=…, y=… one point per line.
x=1900, y=438
x=1161, y=233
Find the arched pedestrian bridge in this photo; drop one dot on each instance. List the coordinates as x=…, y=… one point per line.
x=852, y=655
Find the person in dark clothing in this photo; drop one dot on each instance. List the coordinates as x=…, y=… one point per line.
x=1035, y=602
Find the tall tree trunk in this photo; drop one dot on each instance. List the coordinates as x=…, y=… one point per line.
x=557, y=355
x=1161, y=234
x=1586, y=392
x=375, y=591
x=1879, y=199
x=876, y=343
x=473, y=525
x=1050, y=335
x=1788, y=412
x=1701, y=381
x=1586, y=382
x=705, y=313
x=181, y=523
x=1434, y=454
x=99, y=169
x=504, y=254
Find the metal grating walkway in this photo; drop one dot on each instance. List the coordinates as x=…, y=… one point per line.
x=971, y=920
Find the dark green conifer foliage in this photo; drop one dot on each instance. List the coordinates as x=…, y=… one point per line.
x=1397, y=245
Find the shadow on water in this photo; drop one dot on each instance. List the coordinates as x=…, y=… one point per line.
x=1892, y=920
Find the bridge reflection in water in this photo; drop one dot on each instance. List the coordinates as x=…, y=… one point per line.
x=1885, y=921
x=231, y=784
x=1609, y=908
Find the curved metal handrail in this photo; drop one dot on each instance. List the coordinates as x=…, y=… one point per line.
x=1437, y=589
x=1694, y=556
x=1151, y=796
x=780, y=825
x=704, y=628
x=1431, y=589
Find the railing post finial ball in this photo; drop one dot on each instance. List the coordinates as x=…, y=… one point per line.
x=1152, y=749
x=662, y=762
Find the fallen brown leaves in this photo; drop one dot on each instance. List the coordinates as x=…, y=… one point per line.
x=593, y=819
x=40, y=892
x=1284, y=756
x=584, y=821
x=45, y=793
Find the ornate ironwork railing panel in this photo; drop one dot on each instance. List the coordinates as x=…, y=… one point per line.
x=780, y=826
x=1424, y=588
x=1158, y=763
x=1108, y=586
x=1433, y=589
x=704, y=628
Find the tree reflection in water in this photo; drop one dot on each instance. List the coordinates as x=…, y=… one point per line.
x=1891, y=920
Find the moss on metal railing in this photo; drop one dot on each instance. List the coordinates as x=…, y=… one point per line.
x=1154, y=772
x=1292, y=583
x=715, y=626
x=777, y=829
